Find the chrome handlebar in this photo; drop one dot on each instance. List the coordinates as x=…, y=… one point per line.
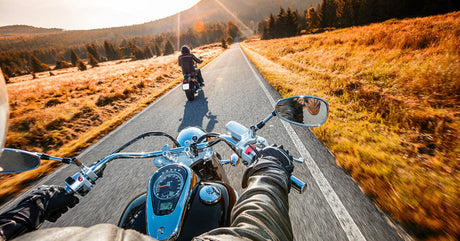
x=83, y=181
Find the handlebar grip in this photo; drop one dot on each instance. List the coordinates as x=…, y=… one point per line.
x=298, y=184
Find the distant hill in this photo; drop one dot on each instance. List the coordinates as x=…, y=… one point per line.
x=24, y=29
x=241, y=11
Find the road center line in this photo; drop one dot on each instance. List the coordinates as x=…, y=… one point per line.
x=346, y=221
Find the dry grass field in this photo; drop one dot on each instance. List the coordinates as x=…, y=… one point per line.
x=66, y=112
x=394, y=93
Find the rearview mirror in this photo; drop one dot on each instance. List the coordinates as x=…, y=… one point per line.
x=13, y=161
x=303, y=110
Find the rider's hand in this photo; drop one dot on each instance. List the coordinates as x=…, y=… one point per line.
x=55, y=200
x=280, y=155
x=271, y=156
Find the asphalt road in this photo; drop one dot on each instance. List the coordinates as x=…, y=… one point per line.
x=332, y=208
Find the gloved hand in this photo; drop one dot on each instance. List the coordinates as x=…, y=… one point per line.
x=271, y=156
x=55, y=201
x=280, y=155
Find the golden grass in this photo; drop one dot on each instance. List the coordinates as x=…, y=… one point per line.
x=62, y=114
x=394, y=93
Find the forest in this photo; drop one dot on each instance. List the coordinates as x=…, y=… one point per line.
x=330, y=14
x=15, y=63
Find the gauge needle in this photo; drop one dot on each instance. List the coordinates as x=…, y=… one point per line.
x=166, y=185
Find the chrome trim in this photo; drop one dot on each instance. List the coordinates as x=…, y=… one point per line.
x=210, y=194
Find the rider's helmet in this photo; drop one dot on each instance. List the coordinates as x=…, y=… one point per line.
x=185, y=49
x=3, y=111
x=189, y=134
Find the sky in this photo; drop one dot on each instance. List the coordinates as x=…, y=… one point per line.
x=87, y=14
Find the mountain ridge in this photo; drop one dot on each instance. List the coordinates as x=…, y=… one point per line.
x=205, y=11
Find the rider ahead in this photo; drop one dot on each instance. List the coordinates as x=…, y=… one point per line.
x=261, y=213
x=186, y=61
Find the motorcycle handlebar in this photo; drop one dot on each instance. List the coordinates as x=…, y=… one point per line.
x=94, y=172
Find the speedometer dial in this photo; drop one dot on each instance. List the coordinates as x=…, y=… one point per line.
x=168, y=185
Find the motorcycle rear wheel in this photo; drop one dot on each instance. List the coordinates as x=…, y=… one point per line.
x=190, y=95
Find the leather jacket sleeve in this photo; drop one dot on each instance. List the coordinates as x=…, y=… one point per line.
x=25, y=217
x=262, y=211
x=197, y=59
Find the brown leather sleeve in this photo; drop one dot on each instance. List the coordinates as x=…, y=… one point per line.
x=262, y=212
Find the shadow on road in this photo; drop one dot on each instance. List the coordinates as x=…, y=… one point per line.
x=194, y=113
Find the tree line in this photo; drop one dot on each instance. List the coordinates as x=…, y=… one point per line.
x=15, y=63
x=347, y=13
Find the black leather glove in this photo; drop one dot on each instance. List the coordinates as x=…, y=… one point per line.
x=271, y=156
x=280, y=155
x=55, y=200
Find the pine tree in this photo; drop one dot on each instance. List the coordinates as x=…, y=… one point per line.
x=232, y=29
x=292, y=23
x=81, y=65
x=110, y=51
x=169, y=48
x=271, y=29
x=363, y=12
x=136, y=52
x=157, y=50
x=92, y=49
x=280, y=24
x=92, y=60
x=327, y=13
x=37, y=65
x=344, y=13
x=261, y=26
x=73, y=57
x=148, y=53
x=312, y=19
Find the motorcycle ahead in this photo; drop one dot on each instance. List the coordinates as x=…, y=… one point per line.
x=189, y=193
x=190, y=84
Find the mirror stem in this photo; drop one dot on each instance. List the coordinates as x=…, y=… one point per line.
x=76, y=161
x=262, y=123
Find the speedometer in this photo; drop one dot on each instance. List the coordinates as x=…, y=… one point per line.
x=168, y=185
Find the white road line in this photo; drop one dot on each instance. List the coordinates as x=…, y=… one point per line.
x=346, y=221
